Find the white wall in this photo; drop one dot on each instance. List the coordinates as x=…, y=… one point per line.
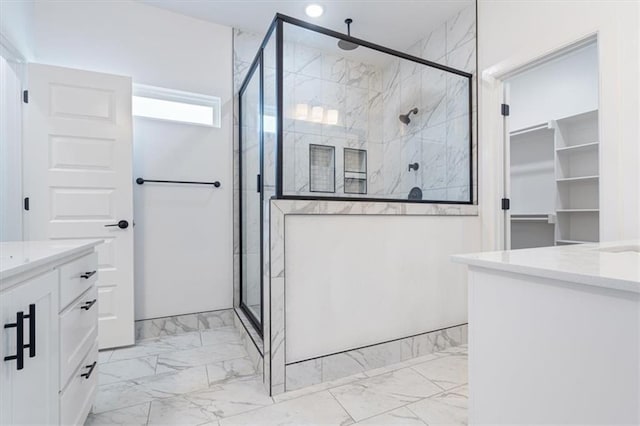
x=359, y=280
x=16, y=25
x=183, y=257
x=10, y=152
x=512, y=34
x=565, y=86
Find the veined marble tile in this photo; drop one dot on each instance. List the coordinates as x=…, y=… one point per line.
x=131, y=416
x=158, y=345
x=447, y=372
x=184, y=359
x=434, y=165
x=461, y=28
x=458, y=97
x=400, y=416
x=127, y=369
x=442, y=410
x=245, y=45
x=409, y=68
x=433, y=96
x=132, y=392
x=303, y=374
x=220, y=335
x=458, y=193
x=308, y=61
x=104, y=355
x=403, y=364
x=358, y=74
x=215, y=319
x=315, y=409
x=375, y=395
x=359, y=360
x=458, y=167
x=434, y=45
x=147, y=329
x=319, y=387
x=233, y=369
x=210, y=404
x=334, y=68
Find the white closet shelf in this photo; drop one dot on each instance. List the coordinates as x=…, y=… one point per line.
x=577, y=148
x=577, y=211
x=578, y=178
x=548, y=218
x=535, y=128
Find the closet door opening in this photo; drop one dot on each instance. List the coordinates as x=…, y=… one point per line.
x=552, y=151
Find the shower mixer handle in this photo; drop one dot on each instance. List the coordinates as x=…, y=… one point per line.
x=414, y=166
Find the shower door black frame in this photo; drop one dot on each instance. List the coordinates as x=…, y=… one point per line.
x=256, y=64
x=277, y=25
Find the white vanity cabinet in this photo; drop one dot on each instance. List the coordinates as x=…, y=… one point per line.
x=48, y=348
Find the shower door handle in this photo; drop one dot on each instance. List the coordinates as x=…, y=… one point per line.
x=258, y=183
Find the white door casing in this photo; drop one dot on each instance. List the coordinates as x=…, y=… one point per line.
x=78, y=177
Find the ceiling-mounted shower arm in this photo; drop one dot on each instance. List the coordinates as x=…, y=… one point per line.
x=344, y=44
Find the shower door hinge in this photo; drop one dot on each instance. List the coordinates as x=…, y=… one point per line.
x=26, y=203
x=506, y=204
x=25, y=96
x=504, y=109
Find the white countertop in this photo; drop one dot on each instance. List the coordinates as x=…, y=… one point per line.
x=19, y=256
x=613, y=265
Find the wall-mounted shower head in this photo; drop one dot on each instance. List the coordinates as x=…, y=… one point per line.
x=344, y=44
x=404, y=118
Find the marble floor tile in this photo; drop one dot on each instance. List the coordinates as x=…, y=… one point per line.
x=127, y=369
x=376, y=395
x=104, y=356
x=179, y=360
x=319, y=387
x=446, y=409
x=316, y=409
x=135, y=415
x=399, y=416
x=215, y=319
x=158, y=345
x=211, y=404
x=226, y=371
x=447, y=372
x=138, y=391
x=403, y=364
x=221, y=335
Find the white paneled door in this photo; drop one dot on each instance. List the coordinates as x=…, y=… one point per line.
x=77, y=175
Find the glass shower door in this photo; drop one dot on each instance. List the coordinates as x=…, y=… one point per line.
x=251, y=197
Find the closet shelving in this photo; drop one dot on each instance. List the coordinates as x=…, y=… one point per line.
x=555, y=182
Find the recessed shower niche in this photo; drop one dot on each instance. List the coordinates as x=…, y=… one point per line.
x=355, y=171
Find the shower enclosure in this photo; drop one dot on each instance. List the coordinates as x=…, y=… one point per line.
x=327, y=116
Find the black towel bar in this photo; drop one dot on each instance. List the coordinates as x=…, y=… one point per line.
x=140, y=181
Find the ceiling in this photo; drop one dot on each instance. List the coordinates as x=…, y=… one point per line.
x=395, y=24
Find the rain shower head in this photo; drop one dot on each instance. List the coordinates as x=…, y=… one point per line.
x=344, y=44
x=404, y=118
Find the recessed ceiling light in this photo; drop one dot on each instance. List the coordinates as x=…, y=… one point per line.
x=314, y=10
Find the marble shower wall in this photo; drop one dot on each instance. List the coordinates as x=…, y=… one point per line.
x=438, y=136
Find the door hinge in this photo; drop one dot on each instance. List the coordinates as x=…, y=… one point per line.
x=506, y=204
x=259, y=183
x=504, y=109
x=26, y=203
x=25, y=96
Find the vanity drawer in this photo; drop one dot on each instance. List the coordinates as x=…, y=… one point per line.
x=77, y=398
x=78, y=332
x=76, y=277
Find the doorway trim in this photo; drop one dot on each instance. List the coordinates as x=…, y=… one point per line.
x=493, y=133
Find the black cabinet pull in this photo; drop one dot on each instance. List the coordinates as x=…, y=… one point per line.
x=90, y=367
x=88, y=275
x=32, y=331
x=19, y=326
x=88, y=305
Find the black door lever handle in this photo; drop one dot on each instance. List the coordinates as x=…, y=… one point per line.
x=122, y=224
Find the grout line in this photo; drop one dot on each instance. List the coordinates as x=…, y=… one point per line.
x=416, y=414
x=149, y=413
x=342, y=406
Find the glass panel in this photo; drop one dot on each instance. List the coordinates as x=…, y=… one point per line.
x=409, y=120
x=251, y=199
